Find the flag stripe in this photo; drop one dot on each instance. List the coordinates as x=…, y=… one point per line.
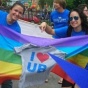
x=85, y=53
x=9, y=56
x=17, y=68
x=71, y=51
x=8, y=43
x=79, y=60
x=7, y=32
x=10, y=71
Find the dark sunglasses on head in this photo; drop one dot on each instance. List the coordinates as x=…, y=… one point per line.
x=75, y=18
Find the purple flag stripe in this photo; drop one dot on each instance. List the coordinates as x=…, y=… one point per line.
x=72, y=41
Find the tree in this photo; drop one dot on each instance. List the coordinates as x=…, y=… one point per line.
x=74, y=3
x=43, y=2
x=4, y=2
x=70, y=4
x=86, y=1
x=0, y=2
x=77, y=2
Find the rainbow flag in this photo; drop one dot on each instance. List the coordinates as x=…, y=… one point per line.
x=11, y=64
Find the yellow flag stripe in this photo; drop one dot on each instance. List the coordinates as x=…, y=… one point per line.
x=10, y=69
x=79, y=60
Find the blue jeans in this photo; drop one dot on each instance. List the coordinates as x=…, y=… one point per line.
x=7, y=84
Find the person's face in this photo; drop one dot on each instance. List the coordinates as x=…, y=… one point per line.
x=56, y=5
x=75, y=20
x=16, y=12
x=85, y=11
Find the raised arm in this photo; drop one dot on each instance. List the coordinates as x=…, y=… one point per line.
x=45, y=27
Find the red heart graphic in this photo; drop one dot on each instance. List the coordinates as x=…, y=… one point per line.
x=42, y=57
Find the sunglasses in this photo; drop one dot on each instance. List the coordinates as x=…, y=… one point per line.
x=75, y=18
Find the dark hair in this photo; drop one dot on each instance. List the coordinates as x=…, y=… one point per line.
x=84, y=22
x=18, y=3
x=61, y=2
x=82, y=6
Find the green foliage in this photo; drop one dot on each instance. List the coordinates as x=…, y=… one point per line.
x=70, y=4
x=74, y=3
x=43, y=2
x=4, y=2
x=77, y=2
x=86, y=1
x=49, y=2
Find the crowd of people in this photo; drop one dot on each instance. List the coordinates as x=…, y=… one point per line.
x=65, y=24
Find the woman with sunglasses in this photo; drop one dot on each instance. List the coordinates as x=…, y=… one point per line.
x=78, y=25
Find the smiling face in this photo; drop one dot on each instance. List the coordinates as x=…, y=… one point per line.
x=75, y=20
x=16, y=12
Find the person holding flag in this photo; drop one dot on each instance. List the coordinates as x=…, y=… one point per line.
x=78, y=26
x=10, y=20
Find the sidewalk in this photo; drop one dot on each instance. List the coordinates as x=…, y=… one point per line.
x=53, y=83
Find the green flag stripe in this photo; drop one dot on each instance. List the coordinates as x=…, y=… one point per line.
x=9, y=56
x=84, y=53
